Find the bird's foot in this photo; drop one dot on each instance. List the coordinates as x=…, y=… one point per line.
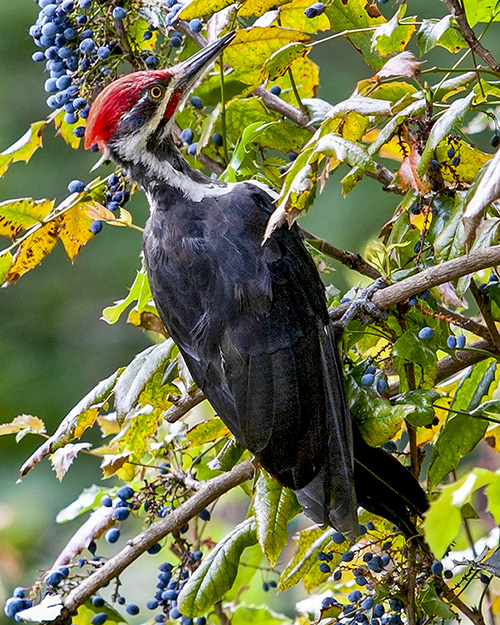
x=363, y=308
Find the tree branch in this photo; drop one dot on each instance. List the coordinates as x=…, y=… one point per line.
x=484, y=308
x=418, y=283
x=135, y=547
x=182, y=405
x=455, y=8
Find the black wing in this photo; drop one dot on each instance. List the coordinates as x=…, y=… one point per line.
x=252, y=324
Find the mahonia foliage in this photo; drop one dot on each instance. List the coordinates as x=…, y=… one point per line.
x=422, y=382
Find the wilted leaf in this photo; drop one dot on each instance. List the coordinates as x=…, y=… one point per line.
x=112, y=463
x=216, y=574
x=63, y=457
x=49, y=608
x=24, y=148
x=439, y=32
x=487, y=190
x=274, y=506
x=66, y=130
x=345, y=151
x=6, y=261
x=23, y=423
x=403, y=64
x=18, y=215
x=33, y=250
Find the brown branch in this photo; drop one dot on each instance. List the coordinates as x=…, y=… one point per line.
x=465, y=322
x=349, y=259
x=485, y=310
x=182, y=405
x=420, y=282
x=455, y=8
x=135, y=547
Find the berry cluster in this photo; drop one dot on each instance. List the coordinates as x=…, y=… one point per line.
x=372, y=377
x=17, y=603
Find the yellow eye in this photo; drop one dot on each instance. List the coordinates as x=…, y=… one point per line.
x=156, y=92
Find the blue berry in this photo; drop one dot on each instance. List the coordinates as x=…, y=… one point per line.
x=187, y=135
x=121, y=600
x=152, y=61
x=205, y=515
x=437, y=568
x=38, y=56
x=85, y=4
x=461, y=341
x=425, y=294
x=87, y=46
x=54, y=578
x=218, y=139
x=275, y=90
x=495, y=140
x=412, y=301
x=192, y=152
x=337, y=576
x=152, y=604
x=367, y=604
x=456, y=161
x=451, y=152
x=338, y=538
x=106, y=501
x=354, y=596
x=112, y=535
x=201, y=620
x=132, y=609
x=125, y=493
x=348, y=556
x=119, y=13
x=451, y=341
x=156, y=548
x=99, y=618
x=147, y=34
x=175, y=42
x=13, y=605
x=196, y=556
x=165, y=567
x=314, y=10
x=390, y=446
x=79, y=131
x=196, y=25
x=175, y=613
x=120, y=514
x=381, y=386
x=360, y=580
x=76, y=186
x=103, y=52
x=168, y=595
x=370, y=526
x=95, y=228
x=70, y=119
x=434, y=164
x=265, y=586
x=324, y=567
x=426, y=333
x=19, y=592
x=367, y=379
x=97, y=601
x=196, y=102
x=323, y=557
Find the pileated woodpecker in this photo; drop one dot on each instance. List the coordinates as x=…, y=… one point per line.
x=250, y=319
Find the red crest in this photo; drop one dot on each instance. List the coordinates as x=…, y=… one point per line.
x=114, y=101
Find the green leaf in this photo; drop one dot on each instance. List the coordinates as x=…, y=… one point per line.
x=393, y=36
x=238, y=167
x=409, y=348
x=353, y=15
x=483, y=11
x=462, y=432
x=87, y=500
x=257, y=615
x=305, y=559
x=274, y=506
x=346, y=151
x=442, y=128
x=228, y=456
x=433, y=605
x=24, y=148
x=135, y=377
x=18, y=215
x=279, y=62
x=423, y=401
x=448, y=243
x=217, y=572
x=207, y=432
x=139, y=291
x=439, y=32
x=443, y=520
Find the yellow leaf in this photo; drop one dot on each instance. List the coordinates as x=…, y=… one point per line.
x=492, y=437
x=306, y=77
x=6, y=261
x=253, y=46
x=75, y=229
x=85, y=420
x=280, y=61
x=113, y=462
x=292, y=16
x=392, y=149
x=256, y=8
x=202, y=8
x=63, y=458
x=23, y=148
x=33, y=250
x=66, y=130
x=18, y=215
x=22, y=422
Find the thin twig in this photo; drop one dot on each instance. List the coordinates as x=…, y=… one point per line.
x=183, y=405
x=476, y=46
x=212, y=490
x=466, y=323
x=485, y=310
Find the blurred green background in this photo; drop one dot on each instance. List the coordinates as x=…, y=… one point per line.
x=53, y=345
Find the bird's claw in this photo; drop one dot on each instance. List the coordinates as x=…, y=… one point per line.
x=363, y=308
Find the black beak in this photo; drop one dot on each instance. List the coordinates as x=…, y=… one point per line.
x=188, y=71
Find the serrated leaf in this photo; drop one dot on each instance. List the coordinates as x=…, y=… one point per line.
x=24, y=148
x=33, y=250
x=112, y=463
x=23, y=422
x=75, y=229
x=393, y=36
x=18, y=215
x=70, y=424
x=63, y=457
x=216, y=574
x=135, y=377
x=353, y=15
x=462, y=432
x=274, y=506
x=279, y=62
x=207, y=432
x=253, y=46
